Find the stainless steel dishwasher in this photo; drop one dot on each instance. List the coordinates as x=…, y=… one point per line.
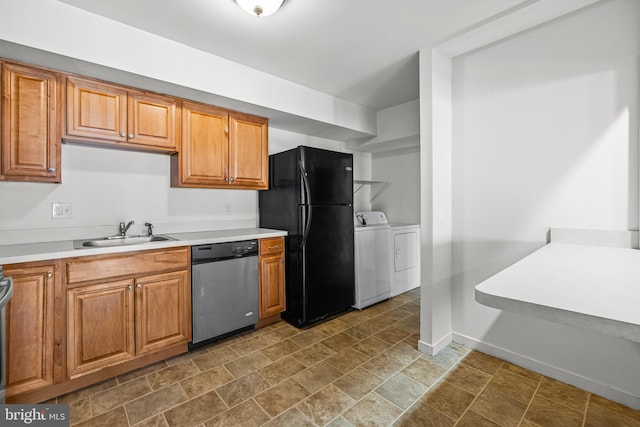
x=224, y=289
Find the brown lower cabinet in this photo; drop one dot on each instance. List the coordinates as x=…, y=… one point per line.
x=272, y=278
x=78, y=321
x=31, y=345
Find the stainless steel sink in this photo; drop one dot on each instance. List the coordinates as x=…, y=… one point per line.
x=102, y=242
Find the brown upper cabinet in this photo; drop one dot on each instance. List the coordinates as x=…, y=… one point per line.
x=102, y=113
x=30, y=136
x=221, y=149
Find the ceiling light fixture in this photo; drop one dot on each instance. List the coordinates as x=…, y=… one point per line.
x=260, y=7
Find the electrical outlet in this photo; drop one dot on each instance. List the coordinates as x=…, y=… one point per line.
x=61, y=210
x=228, y=207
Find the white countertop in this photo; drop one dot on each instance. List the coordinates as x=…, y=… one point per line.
x=592, y=287
x=11, y=254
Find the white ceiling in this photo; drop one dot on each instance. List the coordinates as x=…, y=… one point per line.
x=363, y=51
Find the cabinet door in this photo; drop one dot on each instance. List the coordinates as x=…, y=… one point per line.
x=152, y=120
x=203, y=156
x=96, y=110
x=30, y=316
x=100, y=329
x=163, y=313
x=272, y=297
x=248, y=151
x=30, y=136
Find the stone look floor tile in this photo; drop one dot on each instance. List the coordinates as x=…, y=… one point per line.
x=118, y=395
x=281, y=397
x=247, y=414
x=499, y=407
x=280, y=350
x=141, y=372
x=154, y=403
x=349, y=376
x=468, y=378
x=401, y=390
x=282, y=369
x=340, y=422
x=600, y=416
x=242, y=389
x=215, y=358
x=196, y=411
x=308, y=337
x=372, y=410
x=318, y=376
x=114, y=417
x=615, y=407
x=513, y=385
x=483, y=362
x=371, y=346
x=206, y=381
x=448, y=399
x=565, y=394
x=472, y=419
x=247, y=364
x=391, y=335
x=552, y=414
x=383, y=365
x=87, y=391
x=347, y=360
x=424, y=372
x=313, y=354
x=325, y=405
x=157, y=421
x=164, y=377
x=423, y=415
x=80, y=410
x=292, y=417
x=358, y=383
x=340, y=341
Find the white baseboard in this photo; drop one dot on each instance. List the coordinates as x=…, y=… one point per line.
x=587, y=384
x=434, y=349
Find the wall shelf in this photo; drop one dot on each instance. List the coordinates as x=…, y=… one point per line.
x=381, y=187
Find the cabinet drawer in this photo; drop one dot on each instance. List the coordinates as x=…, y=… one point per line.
x=274, y=245
x=99, y=267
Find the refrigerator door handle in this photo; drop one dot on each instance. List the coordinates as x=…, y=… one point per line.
x=305, y=181
x=307, y=225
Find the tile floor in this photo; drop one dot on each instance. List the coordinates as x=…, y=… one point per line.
x=360, y=369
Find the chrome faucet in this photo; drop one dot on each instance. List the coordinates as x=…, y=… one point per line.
x=149, y=228
x=123, y=228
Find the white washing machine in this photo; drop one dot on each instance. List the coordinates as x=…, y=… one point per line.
x=372, y=261
x=405, y=253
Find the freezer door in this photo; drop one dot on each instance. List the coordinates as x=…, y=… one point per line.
x=327, y=177
x=328, y=263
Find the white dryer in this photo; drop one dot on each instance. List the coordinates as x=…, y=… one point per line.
x=372, y=261
x=405, y=255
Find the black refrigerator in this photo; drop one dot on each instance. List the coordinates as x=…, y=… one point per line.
x=311, y=197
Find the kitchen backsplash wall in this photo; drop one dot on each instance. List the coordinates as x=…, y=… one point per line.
x=106, y=186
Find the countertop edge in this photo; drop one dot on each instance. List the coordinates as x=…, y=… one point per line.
x=31, y=252
x=567, y=265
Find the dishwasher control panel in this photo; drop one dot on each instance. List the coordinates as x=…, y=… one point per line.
x=222, y=251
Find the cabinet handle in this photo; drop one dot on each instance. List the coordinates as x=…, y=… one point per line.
x=273, y=247
x=281, y=261
x=49, y=275
x=131, y=136
x=139, y=286
x=123, y=134
x=51, y=170
x=129, y=287
x=231, y=179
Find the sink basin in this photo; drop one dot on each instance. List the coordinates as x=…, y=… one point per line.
x=102, y=242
